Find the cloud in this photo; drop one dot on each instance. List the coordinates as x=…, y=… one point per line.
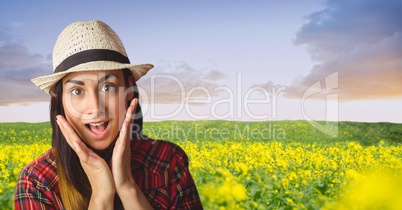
x=345, y=24
x=370, y=71
x=17, y=67
x=361, y=40
x=175, y=82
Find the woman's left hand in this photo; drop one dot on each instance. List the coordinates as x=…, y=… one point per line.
x=130, y=194
x=121, y=159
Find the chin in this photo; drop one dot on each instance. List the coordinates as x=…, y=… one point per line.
x=99, y=146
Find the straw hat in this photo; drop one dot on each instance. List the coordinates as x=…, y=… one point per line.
x=86, y=46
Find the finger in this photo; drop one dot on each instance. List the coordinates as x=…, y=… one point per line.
x=125, y=128
x=129, y=118
x=131, y=111
x=68, y=132
x=86, y=155
x=71, y=136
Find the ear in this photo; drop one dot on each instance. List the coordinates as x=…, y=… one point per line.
x=130, y=94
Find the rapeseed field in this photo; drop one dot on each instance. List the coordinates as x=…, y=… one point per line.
x=259, y=165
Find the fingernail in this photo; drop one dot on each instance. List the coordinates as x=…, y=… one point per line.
x=58, y=121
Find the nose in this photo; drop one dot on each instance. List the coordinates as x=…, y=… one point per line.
x=94, y=105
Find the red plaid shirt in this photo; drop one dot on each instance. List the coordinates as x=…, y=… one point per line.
x=160, y=169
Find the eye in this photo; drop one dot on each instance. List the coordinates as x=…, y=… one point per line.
x=107, y=87
x=76, y=91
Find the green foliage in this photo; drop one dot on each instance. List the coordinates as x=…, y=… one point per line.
x=25, y=133
x=284, y=131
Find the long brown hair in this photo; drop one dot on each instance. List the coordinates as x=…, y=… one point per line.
x=74, y=185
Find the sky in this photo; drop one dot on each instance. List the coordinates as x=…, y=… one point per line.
x=334, y=60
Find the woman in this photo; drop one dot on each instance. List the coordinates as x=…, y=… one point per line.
x=99, y=157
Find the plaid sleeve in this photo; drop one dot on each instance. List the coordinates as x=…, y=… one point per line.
x=35, y=187
x=184, y=194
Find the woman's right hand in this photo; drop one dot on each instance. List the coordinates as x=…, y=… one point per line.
x=95, y=167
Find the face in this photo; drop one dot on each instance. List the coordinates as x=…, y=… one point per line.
x=95, y=105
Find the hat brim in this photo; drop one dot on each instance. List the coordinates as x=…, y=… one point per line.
x=46, y=83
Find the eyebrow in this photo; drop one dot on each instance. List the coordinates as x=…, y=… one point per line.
x=107, y=77
x=78, y=82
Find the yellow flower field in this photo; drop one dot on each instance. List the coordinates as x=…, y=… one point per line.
x=258, y=175
x=251, y=174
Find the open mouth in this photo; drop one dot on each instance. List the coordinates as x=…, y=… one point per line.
x=97, y=128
